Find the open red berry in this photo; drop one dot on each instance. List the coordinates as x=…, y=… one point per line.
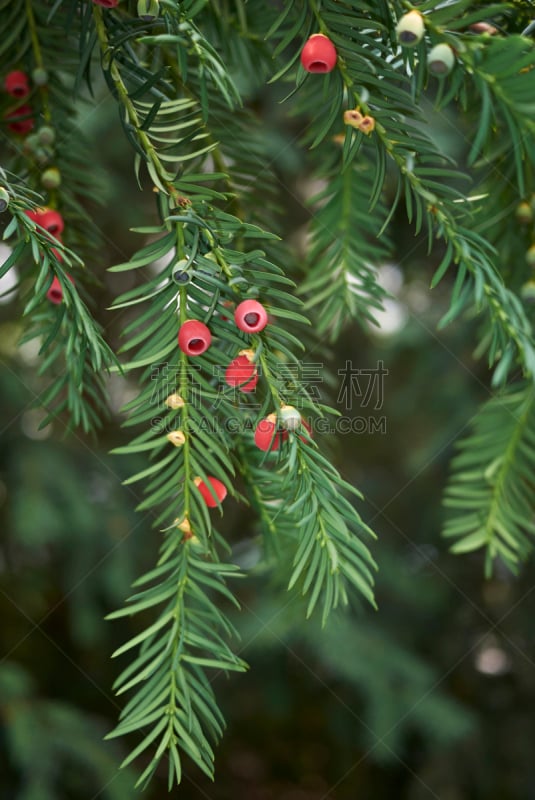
x=194, y=337
x=267, y=435
x=216, y=488
x=21, y=126
x=55, y=293
x=318, y=54
x=49, y=219
x=16, y=84
x=242, y=373
x=250, y=316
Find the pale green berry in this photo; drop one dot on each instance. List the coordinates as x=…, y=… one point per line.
x=46, y=134
x=410, y=29
x=524, y=213
x=148, y=9
x=440, y=60
x=528, y=292
x=290, y=418
x=40, y=76
x=530, y=256
x=51, y=178
x=4, y=199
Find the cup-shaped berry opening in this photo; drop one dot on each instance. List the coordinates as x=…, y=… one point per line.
x=55, y=295
x=196, y=345
x=20, y=91
x=407, y=37
x=318, y=66
x=251, y=318
x=438, y=67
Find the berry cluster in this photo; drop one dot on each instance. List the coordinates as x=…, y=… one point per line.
x=525, y=214
x=194, y=339
x=410, y=32
x=20, y=117
x=52, y=222
x=39, y=147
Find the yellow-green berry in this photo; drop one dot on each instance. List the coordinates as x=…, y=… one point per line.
x=40, y=76
x=410, y=29
x=51, y=178
x=148, y=9
x=4, y=199
x=440, y=60
x=524, y=213
x=46, y=134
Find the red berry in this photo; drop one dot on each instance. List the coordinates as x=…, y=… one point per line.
x=318, y=54
x=194, y=337
x=217, y=487
x=250, y=316
x=267, y=436
x=16, y=84
x=55, y=293
x=21, y=126
x=241, y=373
x=51, y=221
x=106, y=3
x=47, y=218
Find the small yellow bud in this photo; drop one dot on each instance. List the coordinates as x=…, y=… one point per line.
x=177, y=438
x=174, y=401
x=184, y=525
x=353, y=117
x=367, y=125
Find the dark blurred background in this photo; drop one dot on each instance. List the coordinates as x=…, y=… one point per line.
x=433, y=696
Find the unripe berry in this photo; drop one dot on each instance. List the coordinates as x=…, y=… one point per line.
x=528, y=292
x=42, y=156
x=148, y=9
x=483, y=27
x=21, y=126
x=4, y=199
x=530, y=256
x=410, y=29
x=16, y=84
x=51, y=178
x=40, y=76
x=194, y=337
x=318, y=54
x=250, y=316
x=290, y=418
x=241, y=373
x=31, y=142
x=46, y=135
x=207, y=492
x=524, y=213
x=440, y=60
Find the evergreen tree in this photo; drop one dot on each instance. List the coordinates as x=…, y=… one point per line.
x=221, y=316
